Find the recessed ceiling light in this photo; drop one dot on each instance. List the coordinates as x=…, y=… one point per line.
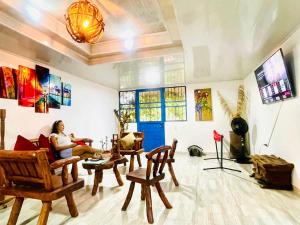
x=45, y=43
x=129, y=44
x=33, y=13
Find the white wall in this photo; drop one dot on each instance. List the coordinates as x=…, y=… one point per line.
x=193, y=132
x=91, y=114
x=199, y=133
x=285, y=139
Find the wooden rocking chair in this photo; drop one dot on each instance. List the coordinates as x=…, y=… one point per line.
x=27, y=174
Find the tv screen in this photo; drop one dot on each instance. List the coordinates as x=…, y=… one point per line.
x=273, y=80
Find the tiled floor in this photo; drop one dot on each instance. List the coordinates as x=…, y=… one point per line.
x=203, y=197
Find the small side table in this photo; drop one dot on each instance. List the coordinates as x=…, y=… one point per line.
x=101, y=165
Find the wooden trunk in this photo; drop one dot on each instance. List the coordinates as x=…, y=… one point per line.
x=272, y=172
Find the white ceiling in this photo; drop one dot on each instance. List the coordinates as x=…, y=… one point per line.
x=140, y=16
x=220, y=40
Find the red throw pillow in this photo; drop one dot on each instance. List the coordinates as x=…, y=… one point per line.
x=23, y=144
x=44, y=143
x=79, y=142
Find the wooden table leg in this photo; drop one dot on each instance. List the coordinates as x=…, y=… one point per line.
x=118, y=176
x=97, y=180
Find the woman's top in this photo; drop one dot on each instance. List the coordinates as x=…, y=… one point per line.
x=62, y=140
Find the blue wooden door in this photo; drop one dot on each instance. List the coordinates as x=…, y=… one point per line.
x=150, y=117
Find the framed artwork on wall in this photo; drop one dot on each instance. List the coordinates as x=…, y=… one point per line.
x=8, y=84
x=55, y=92
x=34, y=88
x=42, y=87
x=26, y=86
x=203, y=104
x=66, y=94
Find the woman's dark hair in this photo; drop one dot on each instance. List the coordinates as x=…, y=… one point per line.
x=55, y=126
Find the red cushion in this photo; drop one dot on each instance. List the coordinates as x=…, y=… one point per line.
x=44, y=143
x=23, y=144
x=79, y=142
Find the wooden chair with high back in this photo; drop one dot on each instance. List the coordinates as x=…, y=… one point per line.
x=157, y=158
x=135, y=151
x=27, y=174
x=171, y=160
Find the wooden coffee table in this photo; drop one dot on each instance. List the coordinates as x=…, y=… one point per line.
x=101, y=165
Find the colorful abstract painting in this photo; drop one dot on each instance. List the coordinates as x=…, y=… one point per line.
x=26, y=86
x=66, y=96
x=8, y=86
x=42, y=89
x=55, y=92
x=15, y=73
x=203, y=104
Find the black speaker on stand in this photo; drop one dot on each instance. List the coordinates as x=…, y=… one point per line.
x=240, y=127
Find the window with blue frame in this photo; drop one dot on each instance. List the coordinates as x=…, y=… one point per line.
x=175, y=103
x=127, y=104
x=150, y=105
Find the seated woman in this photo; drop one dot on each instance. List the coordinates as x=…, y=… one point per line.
x=63, y=143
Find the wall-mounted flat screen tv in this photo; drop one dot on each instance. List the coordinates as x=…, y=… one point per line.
x=273, y=80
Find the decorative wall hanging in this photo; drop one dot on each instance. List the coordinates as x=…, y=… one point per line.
x=66, y=94
x=34, y=88
x=42, y=89
x=26, y=86
x=203, y=104
x=8, y=84
x=55, y=92
x=84, y=22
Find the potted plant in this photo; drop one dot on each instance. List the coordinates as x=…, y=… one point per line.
x=123, y=118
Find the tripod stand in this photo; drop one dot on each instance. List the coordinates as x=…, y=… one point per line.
x=219, y=138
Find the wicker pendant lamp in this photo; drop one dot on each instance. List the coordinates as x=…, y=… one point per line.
x=84, y=22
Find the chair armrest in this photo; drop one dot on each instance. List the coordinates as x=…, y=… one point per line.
x=44, y=149
x=90, y=141
x=62, y=162
x=159, y=149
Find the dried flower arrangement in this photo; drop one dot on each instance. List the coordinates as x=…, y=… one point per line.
x=241, y=104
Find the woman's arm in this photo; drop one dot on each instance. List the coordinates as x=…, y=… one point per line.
x=79, y=139
x=53, y=141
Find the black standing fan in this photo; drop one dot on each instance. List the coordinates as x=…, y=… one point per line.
x=240, y=127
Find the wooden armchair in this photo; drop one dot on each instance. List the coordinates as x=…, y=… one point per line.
x=136, y=151
x=150, y=176
x=27, y=174
x=35, y=141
